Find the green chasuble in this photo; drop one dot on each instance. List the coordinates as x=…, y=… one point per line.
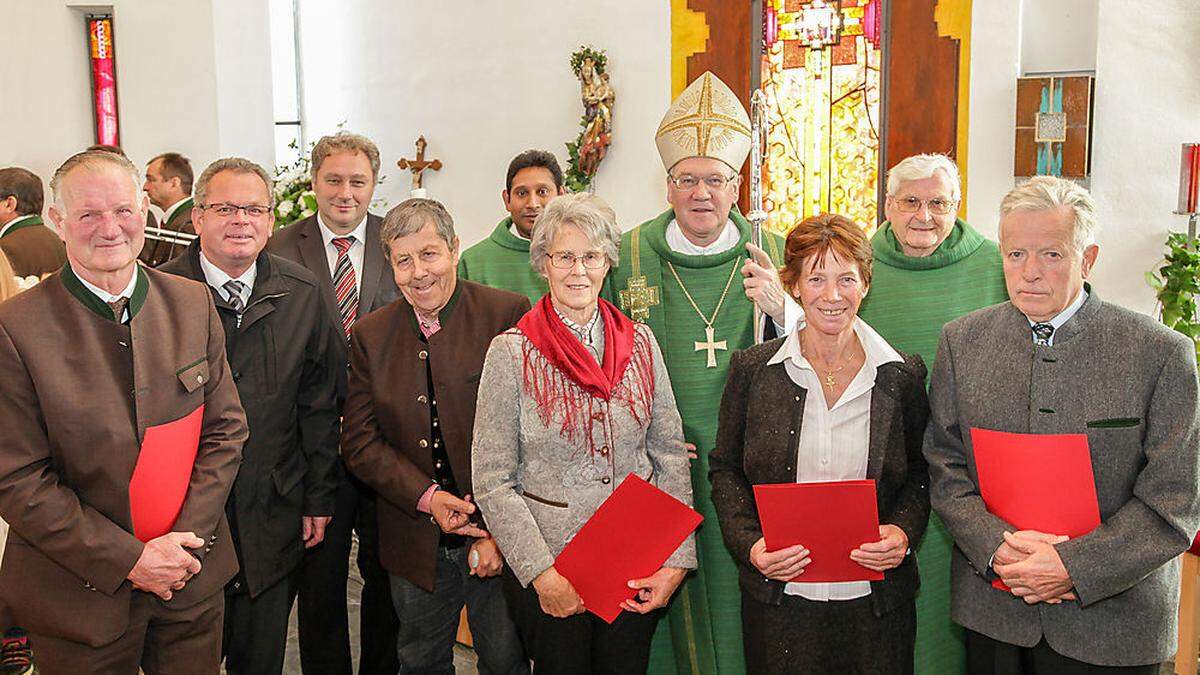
x=909, y=301
x=703, y=630
x=502, y=261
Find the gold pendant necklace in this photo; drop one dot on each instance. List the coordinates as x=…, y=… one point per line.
x=828, y=377
x=710, y=344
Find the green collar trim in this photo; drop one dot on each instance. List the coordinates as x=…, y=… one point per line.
x=502, y=236
x=88, y=299
x=185, y=205
x=20, y=224
x=655, y=233
x=962, y=242
x=443, y=316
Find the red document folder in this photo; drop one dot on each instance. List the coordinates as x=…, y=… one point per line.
x=1038, y=482
x=630, y=536
x=830, y=519
x=162, y=475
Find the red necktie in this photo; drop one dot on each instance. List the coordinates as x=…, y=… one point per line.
x=345, y=284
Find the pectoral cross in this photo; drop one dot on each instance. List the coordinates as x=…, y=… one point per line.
x=638, y=298
x=711, y=346
x=419, y=165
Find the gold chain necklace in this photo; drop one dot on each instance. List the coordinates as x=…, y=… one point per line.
x=830, y=380
x=710, y=343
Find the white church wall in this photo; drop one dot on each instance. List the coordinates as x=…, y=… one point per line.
x=1058, y=36
x=1147, y=95
x=184, y=82
x=484, y=81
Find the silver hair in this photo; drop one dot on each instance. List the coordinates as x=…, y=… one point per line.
x=585, y=211
x=1049, y=193
x=409, y=216
x=919, y=167
x=92, y=159
x=236, y=165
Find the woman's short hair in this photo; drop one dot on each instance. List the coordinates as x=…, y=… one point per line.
x=410, y=216
x=920, y=167
x=1049, y=193
x=585, y=211
x=814, y=236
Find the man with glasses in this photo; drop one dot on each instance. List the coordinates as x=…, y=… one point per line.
x=285, y=357
x=930, y=268
x=686, y=274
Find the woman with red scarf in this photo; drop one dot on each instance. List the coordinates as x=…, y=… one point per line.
x=572, y=400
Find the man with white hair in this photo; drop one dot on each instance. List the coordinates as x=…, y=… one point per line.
x=123, y=434
x=1058, y=360
x=929, y=268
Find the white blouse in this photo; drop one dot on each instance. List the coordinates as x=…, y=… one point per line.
x=834, y=441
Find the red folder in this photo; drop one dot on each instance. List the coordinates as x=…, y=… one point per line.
x=830, y=519
x=1038, y=482
x=162, y=475
x=630, y=536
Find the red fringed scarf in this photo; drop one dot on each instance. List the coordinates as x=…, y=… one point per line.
x=565, y=381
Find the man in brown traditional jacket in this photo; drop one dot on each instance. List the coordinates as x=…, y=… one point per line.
x=119, y=548
x=169, y=186
x=32, y=248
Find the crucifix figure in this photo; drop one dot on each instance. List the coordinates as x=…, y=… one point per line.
x=418, y=165
x=711, y=347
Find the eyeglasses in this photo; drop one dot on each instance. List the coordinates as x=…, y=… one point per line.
x=937, y=206
x=228, y=210
x=565, y=260
x=714, y=182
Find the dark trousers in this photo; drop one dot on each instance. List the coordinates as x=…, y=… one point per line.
x=835, y=637
x=256, y=629
x=582, y=644
x=321, y=603
x=160, y=639
x=986, y=656
x=429, y=621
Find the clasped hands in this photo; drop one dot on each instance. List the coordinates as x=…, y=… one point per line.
x=453, y=515
x=166, y=564
x=1030, y=566
x=788, y=563
x=559, y=598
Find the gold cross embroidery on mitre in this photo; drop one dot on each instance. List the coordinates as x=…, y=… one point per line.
x=704, y=120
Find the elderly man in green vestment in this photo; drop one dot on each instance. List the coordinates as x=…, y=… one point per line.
x=687, y=274
x=502, y=260
x=930, y=268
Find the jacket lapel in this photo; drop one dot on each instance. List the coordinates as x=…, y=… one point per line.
x=373, y=267
x=884, y=412
x=312, y=256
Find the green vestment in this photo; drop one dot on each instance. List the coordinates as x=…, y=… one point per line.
x=909, y=301
x=703, y=628
x=502, y=261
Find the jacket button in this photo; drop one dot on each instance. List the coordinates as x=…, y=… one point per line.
x=606, y=480
x=237, y=376
x=423, y=443
x=422, y=355
x=422, y=399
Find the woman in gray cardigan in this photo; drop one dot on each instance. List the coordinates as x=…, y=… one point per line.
x=571, y=401
x=830, y=401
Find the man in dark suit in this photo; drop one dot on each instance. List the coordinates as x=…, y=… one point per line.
x=30, y=246
x=285, y=358
x=119, y=547
x=169, y=186
x=407, y=433
x=1059, y=360
x=340, y=245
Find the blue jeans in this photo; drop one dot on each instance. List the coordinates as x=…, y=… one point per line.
x=429, y=621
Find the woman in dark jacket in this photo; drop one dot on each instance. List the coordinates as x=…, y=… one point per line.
x=830, y=401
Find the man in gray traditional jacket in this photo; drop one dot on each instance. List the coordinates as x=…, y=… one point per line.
x=1057, y=359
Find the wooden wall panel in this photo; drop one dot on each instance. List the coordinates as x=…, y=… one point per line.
x=922, y=84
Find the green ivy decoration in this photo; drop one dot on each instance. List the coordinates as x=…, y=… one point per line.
x=1177, y=285
x=574, y=178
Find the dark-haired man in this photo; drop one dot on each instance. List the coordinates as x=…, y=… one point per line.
x=502, y=260
x=30, y=246
x=169, y=185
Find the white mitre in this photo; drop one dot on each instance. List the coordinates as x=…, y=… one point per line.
x=707, y=120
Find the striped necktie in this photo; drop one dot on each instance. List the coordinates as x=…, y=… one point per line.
x=233, y=294
x=1042, y=333
x=345, y=284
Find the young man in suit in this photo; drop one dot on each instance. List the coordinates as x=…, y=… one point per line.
x=112, y=563
x=1057, y=359
x=340, y=245
x=285, y=357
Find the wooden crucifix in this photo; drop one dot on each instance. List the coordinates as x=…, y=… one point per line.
x=419, y=165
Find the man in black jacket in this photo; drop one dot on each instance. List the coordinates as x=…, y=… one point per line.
x=285, y=358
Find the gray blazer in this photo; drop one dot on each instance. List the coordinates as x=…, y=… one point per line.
x=535, y=490
x=1130, y=384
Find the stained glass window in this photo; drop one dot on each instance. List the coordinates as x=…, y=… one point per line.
x=821, y=68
